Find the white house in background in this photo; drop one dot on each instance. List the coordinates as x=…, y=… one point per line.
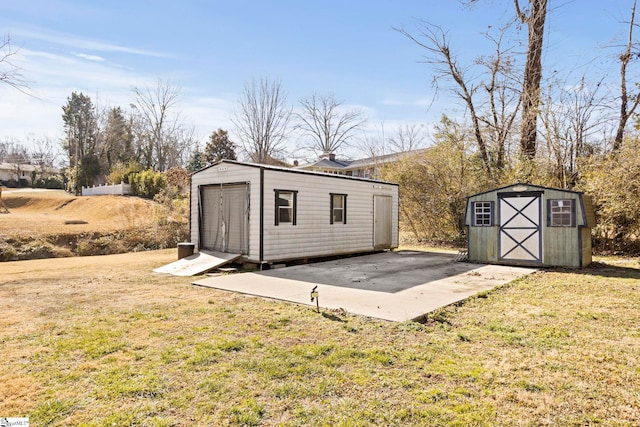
x=273, y=214
x=23, y=174
x=362, y=168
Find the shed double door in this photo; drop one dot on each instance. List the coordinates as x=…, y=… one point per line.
x=224, y=218
x=520, y=227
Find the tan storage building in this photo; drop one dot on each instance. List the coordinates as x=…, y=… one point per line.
x=273, y=214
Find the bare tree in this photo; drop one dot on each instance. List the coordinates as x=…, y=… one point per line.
x=10, y=73
x=161, y=128
x=534, y=20
x=374, y=141
x=408, y=137
x=571, y=118
x=503, y=100
x=628, y=102
x=329, y=127
x=183, y=142
x=262, y=119
x=44, y=151
x=492, y=102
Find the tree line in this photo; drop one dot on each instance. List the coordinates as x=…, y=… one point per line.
x=525, y=124
x=520, y=124
x=151, y=134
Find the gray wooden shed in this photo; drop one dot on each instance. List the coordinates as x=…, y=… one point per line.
x=524, y=224
x=271, y=214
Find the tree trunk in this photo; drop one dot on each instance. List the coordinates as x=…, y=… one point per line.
x=532, y=75
x=626, y=109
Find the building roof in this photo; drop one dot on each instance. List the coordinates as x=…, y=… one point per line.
x=327, y=164
x=25, y=167
x=293, y=170
x=343, y=164
x=527, y=187
x=386, y=158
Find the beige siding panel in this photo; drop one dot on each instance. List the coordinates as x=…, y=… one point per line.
x=589, y=211
x=483, y=241
x=313, y=235
x=561, y=244
x=483, y=244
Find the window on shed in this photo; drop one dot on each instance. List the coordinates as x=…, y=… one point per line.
x=562, y=213
x=483, y=214
x=286, y=202
x=338, y=208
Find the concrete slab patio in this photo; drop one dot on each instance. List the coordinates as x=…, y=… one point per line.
x=397, y=286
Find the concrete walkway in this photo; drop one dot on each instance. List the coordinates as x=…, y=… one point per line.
x=396, y=286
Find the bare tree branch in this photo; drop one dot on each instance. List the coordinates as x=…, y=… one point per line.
x=627, y=106
x=571, y=116
x=161, y=129
x=10, y=73
x=262, y=120
x=408, y=137
x=498, y=96
x=328, y=126
x=521, y=15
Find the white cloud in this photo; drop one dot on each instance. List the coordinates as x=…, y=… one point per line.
x=410, y=102
x=23, y=115
x=88, y=57
x=208, y=114
x=53, y=77
x=76, y=42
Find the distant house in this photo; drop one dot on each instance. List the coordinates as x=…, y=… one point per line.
x=362, y=168
x=23, y=175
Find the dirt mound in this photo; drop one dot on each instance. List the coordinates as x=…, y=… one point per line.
x=53, y=223
x=55, y=211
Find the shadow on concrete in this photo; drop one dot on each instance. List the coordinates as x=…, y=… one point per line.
x=389, y=272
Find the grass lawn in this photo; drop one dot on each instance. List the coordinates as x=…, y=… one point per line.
x=102, y=341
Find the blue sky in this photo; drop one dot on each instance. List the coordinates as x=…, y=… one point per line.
x=210, y=49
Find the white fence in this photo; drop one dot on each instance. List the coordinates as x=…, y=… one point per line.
x=113, y=189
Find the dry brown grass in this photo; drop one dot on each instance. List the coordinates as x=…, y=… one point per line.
x=102, y=341
x=53, y=223
x=99, y=341
x=49, y=212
